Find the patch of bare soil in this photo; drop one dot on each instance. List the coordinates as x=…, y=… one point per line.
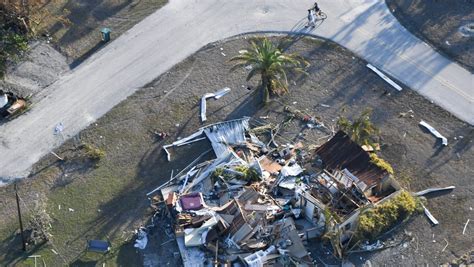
x=40, y=67
x=109, y=199
x=440, y=23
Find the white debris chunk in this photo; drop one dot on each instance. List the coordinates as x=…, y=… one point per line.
x=383, y=76
x=142, y=239
x=216, y=96
x=430, y=128
x=429, y=215
x=431, y=190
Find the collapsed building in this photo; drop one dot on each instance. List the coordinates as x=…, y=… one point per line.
x=254, y=205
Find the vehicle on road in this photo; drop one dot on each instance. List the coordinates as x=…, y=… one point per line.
x=10, y=104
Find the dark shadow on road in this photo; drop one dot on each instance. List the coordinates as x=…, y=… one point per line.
x=85, y=16
x=86, y=55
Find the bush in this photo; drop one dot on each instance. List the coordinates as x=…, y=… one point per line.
x=94, y=153
x=381, y=163
x=381, y=218
x=250, y=174
x=12, y=45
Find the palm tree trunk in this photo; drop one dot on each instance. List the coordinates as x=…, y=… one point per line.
x=265, y=88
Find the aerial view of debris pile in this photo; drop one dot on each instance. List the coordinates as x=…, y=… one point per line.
x=260, y=203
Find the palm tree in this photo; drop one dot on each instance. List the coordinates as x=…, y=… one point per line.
x=361, y=130
x=271, y=63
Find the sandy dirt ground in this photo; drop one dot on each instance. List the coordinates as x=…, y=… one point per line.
x=109, y=199
x=438, y=23
x=42, y=66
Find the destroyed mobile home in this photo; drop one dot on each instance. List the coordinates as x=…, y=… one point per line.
x=254, y=205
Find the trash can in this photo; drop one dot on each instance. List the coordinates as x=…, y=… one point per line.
x=105, y=34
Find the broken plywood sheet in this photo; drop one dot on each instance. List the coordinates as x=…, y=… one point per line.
x=270, y=165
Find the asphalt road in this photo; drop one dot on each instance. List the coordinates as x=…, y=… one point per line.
x=182, y=27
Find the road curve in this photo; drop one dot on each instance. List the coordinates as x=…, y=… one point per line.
x=182, y=27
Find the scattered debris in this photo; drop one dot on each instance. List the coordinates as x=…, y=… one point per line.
x=383, y=76
x=467, y=30
x=219, y=134
x=434, y=132
x=99, y=246
x=255, y=206
x=59, y=128
x=430, y=216
x=56, y=155
x=371, y=247
x=216, y=96
x=371, y=148
x=445, y=246
x=305, y=117
x=142, y=239
x=409, y=113
x=161, y=135
x=35, y=257
x=465, y=226
x=431, y=190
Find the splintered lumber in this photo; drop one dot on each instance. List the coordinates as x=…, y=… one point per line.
x=262, y=129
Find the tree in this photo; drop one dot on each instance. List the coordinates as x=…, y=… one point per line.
x=361, y=130
x=35, y=15
x=20, y=20
x=271, y=63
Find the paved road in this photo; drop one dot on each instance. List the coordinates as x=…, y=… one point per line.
x=183, y=26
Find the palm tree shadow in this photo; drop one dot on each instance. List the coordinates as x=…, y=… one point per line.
x=249, y=106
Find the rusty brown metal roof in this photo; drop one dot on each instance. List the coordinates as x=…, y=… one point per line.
x=342, y=153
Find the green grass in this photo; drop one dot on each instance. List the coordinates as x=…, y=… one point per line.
x=96, y=198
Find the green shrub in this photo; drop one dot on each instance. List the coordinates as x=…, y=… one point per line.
x=250, y=174
x=12, y=45
x=381, y=163
x=381, y=218
x=94, y=153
